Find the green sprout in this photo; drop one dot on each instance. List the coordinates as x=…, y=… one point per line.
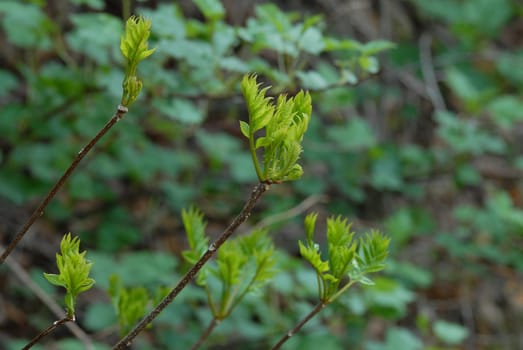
x=284, y=125
x=73, y=272
x=348, y=261
x=243, y=265
x=131, y=303
x=134, y=47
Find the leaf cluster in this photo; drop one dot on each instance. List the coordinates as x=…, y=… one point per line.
x=243, y=265
x=73, y=271
x=284, y=124
x=131, y=303
x=194, y=225
x=134, y=47
x=347, y=260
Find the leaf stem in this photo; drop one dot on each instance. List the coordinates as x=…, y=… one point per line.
x=341, y=291
x=240, y=297
x=254, y=156
x=244, y=214
x=39, y=211
x=48, y=331
x=297, y=328
x=215, y=322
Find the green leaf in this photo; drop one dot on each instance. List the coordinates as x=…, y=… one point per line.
x=376, y=46
x=312, y=80
x=243, y=265
x=135, y=268
x=211, y=9
x=348, y=76
x=465, y=136
x=389, y=295
x=94, y=35
x=312, y=254
x=450, y=333
x=130, y=304
x=7, y=82
x=332, y=44
x=310, y=224
x=95, y=4
x=134, y=44
x=73, y=271
x=338, y=231
x=219, y=146
x=505, y=66
x=285, y=124
x=54, y=279
x=506, y=110
x=400, y=338
x=168, y=21
x=259, y=107
x=258, y=247
x=26, y=25
x=311, y=41
x=372, y=252
x=364, y=280
x=354, y=135
x=345, y=257
x=181, y=110
x=369, y=64
x=195, y=228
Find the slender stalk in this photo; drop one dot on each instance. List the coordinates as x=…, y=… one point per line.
x=206, y=334
x=48, y=331
x=297, y=328
x=39, y=211
x=24, y=278
x=341, y=291
x=252, y=147
x=244, y=214
x=126, y=9
x=240, y=297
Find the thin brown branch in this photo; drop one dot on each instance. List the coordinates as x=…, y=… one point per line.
x=293, y=212
x=39, y=211
x=206, y=334
x=429, y=75
x=297, y=328
x=244, y=214
x=58, y=311
x=47, y=331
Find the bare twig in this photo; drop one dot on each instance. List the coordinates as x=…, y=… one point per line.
x=22, y=275
x=427, y=70
x=244, y=214
x=288, y=214
x=39, y=211
x=206, y=334
x=297, y=328
x=47, y=331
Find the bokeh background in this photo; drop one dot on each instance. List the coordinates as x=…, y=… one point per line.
x=421, y=140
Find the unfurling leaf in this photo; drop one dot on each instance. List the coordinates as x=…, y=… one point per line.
x=195, y=228
x=134, y=46
x=244, y=127
x=73, y=271
x=285, y=123
x=310, y=224
x=347, y=261
x=243, y=265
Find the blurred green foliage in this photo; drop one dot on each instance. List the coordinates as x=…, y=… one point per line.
x=444, y=179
